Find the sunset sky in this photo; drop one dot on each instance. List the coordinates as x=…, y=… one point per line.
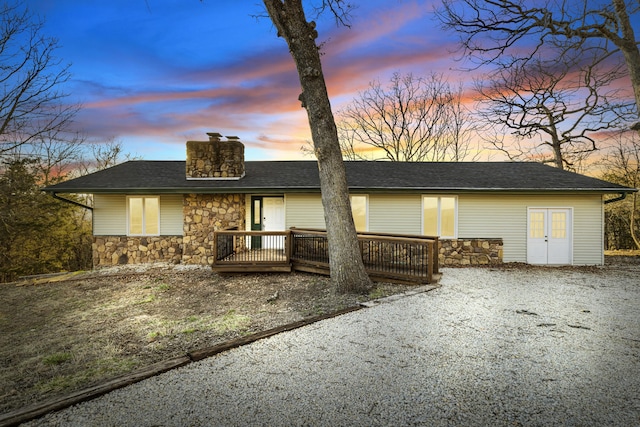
x=155, y=73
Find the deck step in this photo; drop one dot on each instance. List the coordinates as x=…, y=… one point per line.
x=261, y=268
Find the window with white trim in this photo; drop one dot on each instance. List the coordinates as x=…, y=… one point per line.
x=143, y=216
x=359, y=207
x=439, y=214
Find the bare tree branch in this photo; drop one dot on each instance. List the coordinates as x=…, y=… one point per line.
x=512, y=32
x=31, y=77
x=557, y=106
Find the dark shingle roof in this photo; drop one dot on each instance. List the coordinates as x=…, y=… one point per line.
x=297, y=176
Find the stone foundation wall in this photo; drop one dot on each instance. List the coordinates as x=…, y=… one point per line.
x=203, y=214
x=454, y=252
x=118, y=250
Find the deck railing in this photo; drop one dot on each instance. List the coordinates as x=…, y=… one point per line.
x=251, y=251
x=387, y=257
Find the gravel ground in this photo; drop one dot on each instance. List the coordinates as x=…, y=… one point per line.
x=500, y=347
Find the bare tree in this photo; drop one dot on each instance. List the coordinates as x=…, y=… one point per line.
x=622, y=166
x=412, y=119
x=105, y=155
x=511, y=32
x=31, y=103
x=288, y=16
x=553, y=109
x=55, y=156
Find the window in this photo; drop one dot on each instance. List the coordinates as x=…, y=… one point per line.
x=359, y=211
x=439, y=216
x=559, y=225
x=536, y=225
x=143, y=216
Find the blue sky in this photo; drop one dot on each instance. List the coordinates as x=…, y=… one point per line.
x=155, y=73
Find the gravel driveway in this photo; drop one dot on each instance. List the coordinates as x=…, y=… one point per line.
x=501, y=347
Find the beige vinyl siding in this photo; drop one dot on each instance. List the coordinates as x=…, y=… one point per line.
x=387, y=213
x=110, y=215
x=505, y=216
x=171, y=215
x=588, y=233
x=395, y=213
x=303, y=210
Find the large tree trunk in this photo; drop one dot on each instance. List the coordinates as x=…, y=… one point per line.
x=558, y=156
x=347, y=269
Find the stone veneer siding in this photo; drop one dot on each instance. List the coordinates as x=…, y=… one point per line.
x=203, y=214
x=118, y=250
x=457, y=252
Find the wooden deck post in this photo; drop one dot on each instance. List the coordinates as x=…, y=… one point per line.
x=430, y=258
x=288, y=246
x=215, y=247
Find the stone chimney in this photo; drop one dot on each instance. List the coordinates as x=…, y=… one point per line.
x=215, y=158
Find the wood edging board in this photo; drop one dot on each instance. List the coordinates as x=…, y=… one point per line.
x=198, y=355
x=20, y=416
x=23, y=415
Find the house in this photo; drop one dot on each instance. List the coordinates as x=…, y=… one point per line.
x=484, y=212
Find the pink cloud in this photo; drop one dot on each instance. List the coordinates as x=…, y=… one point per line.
x=257, y=94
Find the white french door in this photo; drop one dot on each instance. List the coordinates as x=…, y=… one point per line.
x=549, y=236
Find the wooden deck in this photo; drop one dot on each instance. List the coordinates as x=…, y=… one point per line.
x=387, y=257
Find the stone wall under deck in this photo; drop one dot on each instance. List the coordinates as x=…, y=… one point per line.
x=465, y=252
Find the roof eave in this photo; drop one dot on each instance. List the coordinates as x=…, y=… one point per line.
x=180, y=190
x=302, y=189
x=497, y=190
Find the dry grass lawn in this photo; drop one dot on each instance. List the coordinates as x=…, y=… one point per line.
x=64, y=333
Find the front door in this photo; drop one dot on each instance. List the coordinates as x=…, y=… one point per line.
x=549, y=239
x=267, y=214
x=273, y=220
x=272, y=213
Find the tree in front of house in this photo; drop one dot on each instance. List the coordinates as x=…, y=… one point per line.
x=38, y=234
x=38, y=147
x=412, y=119
x=345, y=260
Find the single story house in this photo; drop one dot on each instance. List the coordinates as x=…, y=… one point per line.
x=484, y=212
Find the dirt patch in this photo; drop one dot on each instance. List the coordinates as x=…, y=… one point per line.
x=63, y=333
